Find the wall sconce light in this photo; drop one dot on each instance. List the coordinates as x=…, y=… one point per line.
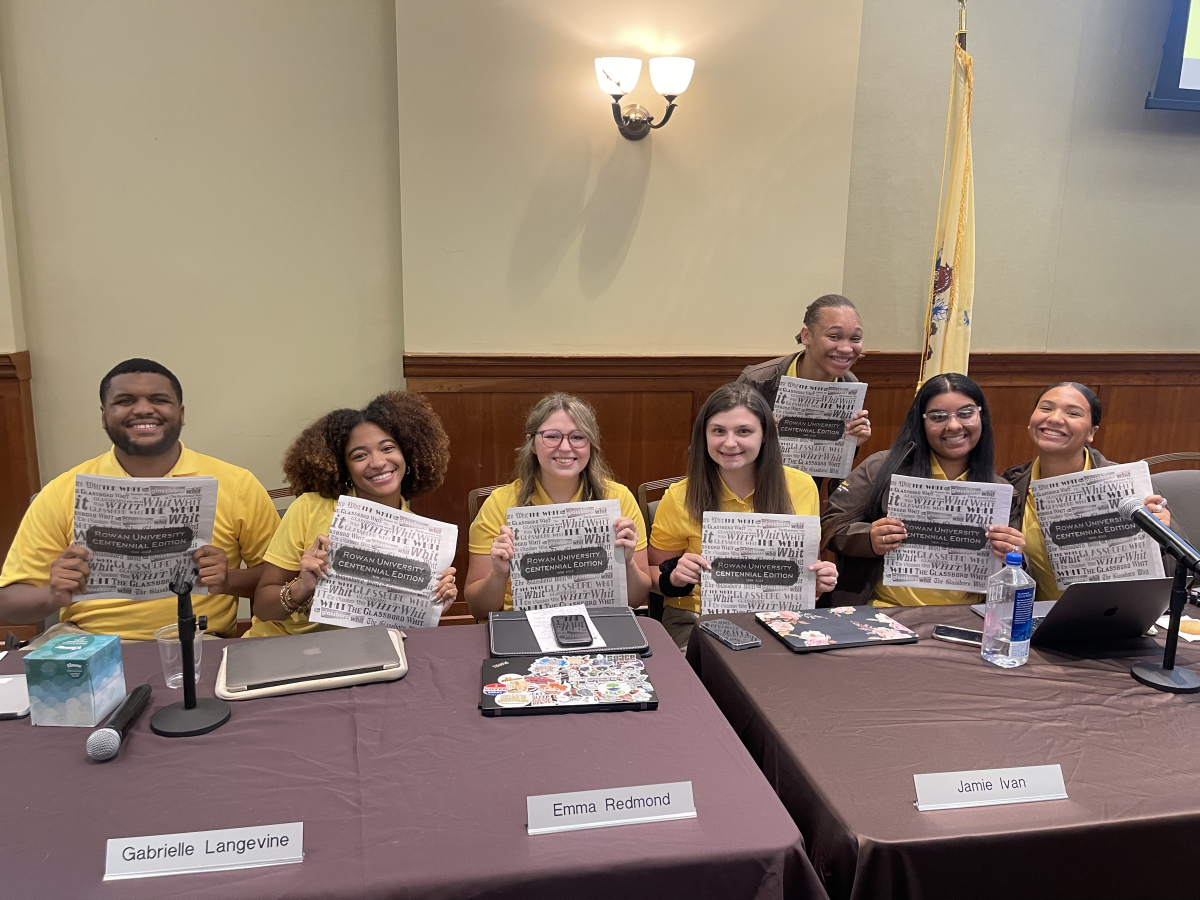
x=618, y=75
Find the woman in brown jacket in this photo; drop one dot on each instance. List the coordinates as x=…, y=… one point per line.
x=946, y=435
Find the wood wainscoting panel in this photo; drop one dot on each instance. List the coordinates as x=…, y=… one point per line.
x=19, y=471
x=646, y=405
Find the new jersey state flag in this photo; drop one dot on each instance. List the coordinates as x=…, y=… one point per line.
x=952, y=283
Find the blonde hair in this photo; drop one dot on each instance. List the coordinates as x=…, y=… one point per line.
x=595, y=475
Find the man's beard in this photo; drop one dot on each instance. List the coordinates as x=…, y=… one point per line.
x=121, y=440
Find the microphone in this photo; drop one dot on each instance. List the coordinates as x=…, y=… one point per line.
x=1134, y=510
x=105, y=742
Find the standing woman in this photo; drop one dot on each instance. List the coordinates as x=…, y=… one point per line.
x=946, y=435
x=734, y=465
x=832, y=342
x=560, y=461
x=1062, y=425
x=389, y=452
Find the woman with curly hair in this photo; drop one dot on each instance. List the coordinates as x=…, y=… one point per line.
x=560, y=461
x=389, y=452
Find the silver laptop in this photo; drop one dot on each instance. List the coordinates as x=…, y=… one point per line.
x=250, y=665
x=1098, y=611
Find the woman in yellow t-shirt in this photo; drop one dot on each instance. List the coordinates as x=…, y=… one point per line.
x=1063, y=423
x=946, y=435
x=734, y=465
x=560, y=461
x=389, y=452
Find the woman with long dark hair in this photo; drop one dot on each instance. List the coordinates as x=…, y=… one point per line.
x=392, y=450
x=734, y=465
x=946, y=435
x=1063, y=425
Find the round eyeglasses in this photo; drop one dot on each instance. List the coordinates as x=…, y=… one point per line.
x=940, y=416
x=552, y=439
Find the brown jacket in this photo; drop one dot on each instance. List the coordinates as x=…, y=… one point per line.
x=1018, y=477
x=765, y=375
x=859, y=567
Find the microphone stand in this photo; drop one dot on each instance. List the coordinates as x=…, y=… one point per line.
x=1166, y=677
x=192, y=716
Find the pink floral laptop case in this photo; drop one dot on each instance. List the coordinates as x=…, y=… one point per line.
x=808, y=630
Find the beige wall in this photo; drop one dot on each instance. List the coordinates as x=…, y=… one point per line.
x=1087, y=205
x=532, y=226
x=214, y=185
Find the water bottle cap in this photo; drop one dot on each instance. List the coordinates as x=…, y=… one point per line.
x=1014, y=558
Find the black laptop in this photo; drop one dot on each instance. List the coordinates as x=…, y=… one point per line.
x=1096, y=611
x=595, y=682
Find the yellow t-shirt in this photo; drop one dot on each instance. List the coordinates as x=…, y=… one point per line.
x=493, y=515
x=245, y=521
x=309, y=516
x=675, y=529
x=902, y=596
x=1035, y=542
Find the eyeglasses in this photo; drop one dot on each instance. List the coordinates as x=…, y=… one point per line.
x=552, y=439
x=940, y=416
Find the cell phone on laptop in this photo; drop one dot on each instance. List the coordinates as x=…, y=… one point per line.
x=571, y=631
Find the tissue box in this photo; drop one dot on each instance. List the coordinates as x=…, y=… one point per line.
x=75, y=679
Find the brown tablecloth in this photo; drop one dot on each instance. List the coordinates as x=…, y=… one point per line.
x=841, y=733
x=405, y=790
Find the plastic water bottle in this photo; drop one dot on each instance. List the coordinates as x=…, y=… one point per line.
x=1009, y=619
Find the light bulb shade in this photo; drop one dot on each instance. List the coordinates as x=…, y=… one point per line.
x=671, y=74
x=618, y=74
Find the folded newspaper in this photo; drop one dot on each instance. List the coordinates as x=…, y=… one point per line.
x=812, y=419
x=384, y=566
x=759, y=562
x=566, y=554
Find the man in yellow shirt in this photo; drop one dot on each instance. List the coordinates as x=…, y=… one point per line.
x=141, y=405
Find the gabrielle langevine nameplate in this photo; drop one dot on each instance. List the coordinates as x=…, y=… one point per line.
x=989, y=787
x=204, y=851
x=616, y=806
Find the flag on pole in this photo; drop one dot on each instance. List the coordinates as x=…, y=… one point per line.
x=952, y=283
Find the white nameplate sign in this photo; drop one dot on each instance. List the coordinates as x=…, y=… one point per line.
x=989, y=787
x=204, y=851
x=618, y=806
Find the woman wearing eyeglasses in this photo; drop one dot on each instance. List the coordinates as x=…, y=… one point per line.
x=946, y=435
x=1062, y=425
x=560, y=461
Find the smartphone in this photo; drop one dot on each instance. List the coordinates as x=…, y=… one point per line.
x=571, y=631
x=732, y=636
x=956, y=635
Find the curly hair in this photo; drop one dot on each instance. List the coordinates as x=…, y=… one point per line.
x=316, y=460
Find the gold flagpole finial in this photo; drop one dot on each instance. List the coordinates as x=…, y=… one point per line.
x=962, y=23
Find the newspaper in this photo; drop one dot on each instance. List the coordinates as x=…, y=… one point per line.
x=812, y=424
x=1086, y=538
x=947, y=522
x=138, y=530
x=383, y=567
x=566, y=554
x=759, y=562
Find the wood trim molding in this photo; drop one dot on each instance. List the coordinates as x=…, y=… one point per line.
x=18, y=448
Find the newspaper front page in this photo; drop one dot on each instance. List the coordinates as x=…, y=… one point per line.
x=565, y=554
x=1086, y=538
x=383, y=567
x=947, y=522
x=139, y=530
x=759, y=562
x=812, y=424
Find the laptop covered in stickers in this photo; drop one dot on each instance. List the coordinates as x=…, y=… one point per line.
x=568, y=683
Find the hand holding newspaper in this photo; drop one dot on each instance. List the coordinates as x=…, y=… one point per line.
x=138, y=529
x=566, y=554
x=947, y=521
x=759, y=562
x=383, y=567
x=812, y=424
x=1086, y=538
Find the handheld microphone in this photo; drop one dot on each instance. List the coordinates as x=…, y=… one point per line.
x=1134, y=510
x=105, y=742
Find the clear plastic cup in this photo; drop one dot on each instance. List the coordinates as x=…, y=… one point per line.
x=172, y=659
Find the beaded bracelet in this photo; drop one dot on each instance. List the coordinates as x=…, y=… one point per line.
x=285, y=599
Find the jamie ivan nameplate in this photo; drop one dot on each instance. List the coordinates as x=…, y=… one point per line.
x=617, y=806
x=989, y=787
